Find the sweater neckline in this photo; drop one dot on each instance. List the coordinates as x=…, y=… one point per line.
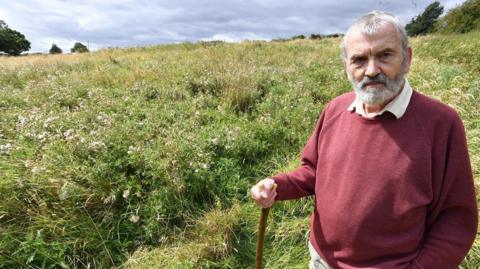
x=387, y=116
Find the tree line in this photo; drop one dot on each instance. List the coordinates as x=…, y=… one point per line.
x=15, y=43
x=77, y=47
x=461, y=19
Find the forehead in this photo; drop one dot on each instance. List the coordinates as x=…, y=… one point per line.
x=387, y=37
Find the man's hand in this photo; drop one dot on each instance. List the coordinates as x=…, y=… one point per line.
x=264, y=192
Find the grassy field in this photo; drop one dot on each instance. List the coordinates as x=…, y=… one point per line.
x=143, y=157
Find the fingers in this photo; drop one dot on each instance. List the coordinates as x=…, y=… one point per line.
x=268, y=202
x=264, y=192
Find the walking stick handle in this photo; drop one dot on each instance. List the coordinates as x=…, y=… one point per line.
x=261, y=237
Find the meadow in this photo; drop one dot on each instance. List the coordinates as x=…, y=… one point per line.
x=143, y=157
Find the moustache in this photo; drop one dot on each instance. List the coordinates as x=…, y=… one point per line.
x=378, y=79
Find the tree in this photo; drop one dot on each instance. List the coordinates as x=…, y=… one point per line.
x=79, y=47
x=298, y=37
x=11, y=41
x=461, y=19
x=55, y=49
x=3, y=24
x=425, y=22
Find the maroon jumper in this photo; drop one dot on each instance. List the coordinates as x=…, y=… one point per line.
x=389, y=193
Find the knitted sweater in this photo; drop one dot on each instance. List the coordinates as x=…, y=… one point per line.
x=389, y=193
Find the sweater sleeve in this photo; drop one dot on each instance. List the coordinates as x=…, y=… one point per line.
x=301, y=181
x=451, y=223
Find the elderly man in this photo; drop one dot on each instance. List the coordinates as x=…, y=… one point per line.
x=388, y=166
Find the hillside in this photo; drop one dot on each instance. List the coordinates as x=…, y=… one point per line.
x=143, y=157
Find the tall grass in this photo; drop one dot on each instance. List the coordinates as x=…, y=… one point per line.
x=143, y=157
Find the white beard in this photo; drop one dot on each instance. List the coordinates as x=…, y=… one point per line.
x=379, y=94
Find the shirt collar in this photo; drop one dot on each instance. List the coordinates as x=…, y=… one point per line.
x=397, y=106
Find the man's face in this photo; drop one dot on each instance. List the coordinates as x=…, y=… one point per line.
x=376, y=64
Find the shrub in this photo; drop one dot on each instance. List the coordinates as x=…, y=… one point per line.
x=55, y=49
x=461, y=19
x=79, y=47
x=424, y=23
x=11, y=41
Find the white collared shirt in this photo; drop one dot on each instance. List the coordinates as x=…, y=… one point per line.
x=397, y=106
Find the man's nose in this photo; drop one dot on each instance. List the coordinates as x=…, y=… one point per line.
x=372, y=68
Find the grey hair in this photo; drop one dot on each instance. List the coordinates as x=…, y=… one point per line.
x=371, y=23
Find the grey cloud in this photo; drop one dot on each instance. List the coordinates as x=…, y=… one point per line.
x=129, y=23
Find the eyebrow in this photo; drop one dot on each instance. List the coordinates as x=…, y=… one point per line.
x=360, y=55
x=385, y=50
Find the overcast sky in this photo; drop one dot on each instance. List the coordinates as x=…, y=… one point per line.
x=125, y=23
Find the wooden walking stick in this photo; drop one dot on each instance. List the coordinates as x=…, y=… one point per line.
x=261, y=237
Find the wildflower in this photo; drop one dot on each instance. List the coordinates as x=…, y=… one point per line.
x=5, y=149
x=134, y=218
x=21, y=121
x=49, y=120
x=131, y=150
x=126, y=193
x=37, y=169
x=102, y=117
x=42, y=136
x=96, y=145
x=28, y=163
x=215, y=141
x=68, y=134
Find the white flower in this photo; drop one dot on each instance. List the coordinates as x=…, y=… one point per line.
x=49, y=120
x=134, y=218
x=42, y=136
x=102, y=117
x=131, y=150
x=126, y=193
x=215, y=141
x=5, y=149
x=96, y=145
x=37, y=169
x=28, y=163
x=21, y=120
x=68, y=134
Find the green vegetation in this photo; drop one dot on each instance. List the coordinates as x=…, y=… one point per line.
x=79, y=47
x=11, y=41
x=424, y=23
x=55, y=49
x=462, y=19
x=141, y=158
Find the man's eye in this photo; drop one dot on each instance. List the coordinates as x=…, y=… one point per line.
x=386, y=54
x=358, y=61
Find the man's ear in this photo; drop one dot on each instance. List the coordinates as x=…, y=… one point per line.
x=409, y=57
